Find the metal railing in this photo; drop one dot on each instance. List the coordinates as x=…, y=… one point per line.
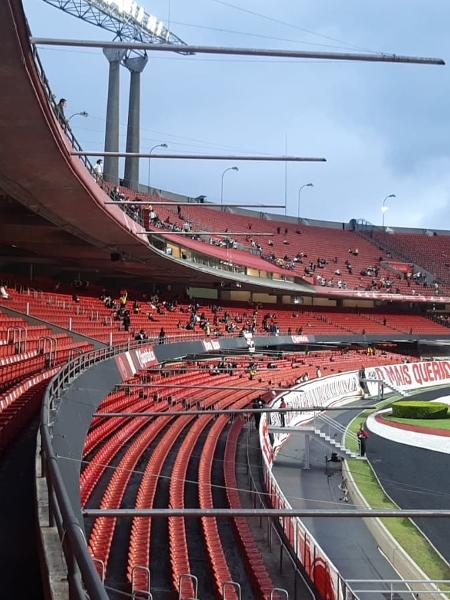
x=53, y=104
x=302, y=544
x=83, y=573
x=333, y=426
x=273, y=534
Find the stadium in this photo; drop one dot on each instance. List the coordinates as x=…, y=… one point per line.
x=203, y=398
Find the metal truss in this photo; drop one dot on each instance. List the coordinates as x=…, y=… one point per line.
x=130, y=24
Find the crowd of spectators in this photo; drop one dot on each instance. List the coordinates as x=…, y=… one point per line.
x=317, y=270
x=132, y=210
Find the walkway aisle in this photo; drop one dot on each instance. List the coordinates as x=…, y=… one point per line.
x=347, y=542
x=19, y=555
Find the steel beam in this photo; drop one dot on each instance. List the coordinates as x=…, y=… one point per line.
x=209, y=205
x=238, y=157
x=275, y=53
x=235, y=233
x=229, y=412
x=266, y=512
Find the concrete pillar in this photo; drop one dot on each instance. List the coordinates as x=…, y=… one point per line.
x=111, y=164
x=135, y=65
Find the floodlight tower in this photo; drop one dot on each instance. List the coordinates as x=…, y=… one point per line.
x=128, y=22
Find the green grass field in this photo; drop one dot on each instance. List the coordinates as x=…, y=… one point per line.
x=403, y=530
x=430, y=423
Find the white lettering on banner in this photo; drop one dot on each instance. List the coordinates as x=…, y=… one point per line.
x=131, y=9
x=409, y=376
x=211, y=345
x=319, y=393
x=300, y=339
x=146, y=357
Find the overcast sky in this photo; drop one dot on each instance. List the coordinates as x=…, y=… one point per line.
x=383, y=128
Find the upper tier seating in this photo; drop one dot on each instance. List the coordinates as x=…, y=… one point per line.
x=430, y=252
x=288, y=240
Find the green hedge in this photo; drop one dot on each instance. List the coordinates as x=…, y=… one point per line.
x=416, y=409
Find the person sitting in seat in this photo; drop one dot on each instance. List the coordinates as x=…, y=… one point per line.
x=3, y=293
x=141, y=336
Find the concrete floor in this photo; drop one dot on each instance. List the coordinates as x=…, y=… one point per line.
x=347, y=542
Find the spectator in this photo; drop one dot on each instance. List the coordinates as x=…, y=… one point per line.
x=98, y=171
x=3, y=293
x=126, y=320
x=282, y=414
x=162, y=336
x=258, y=403
x=362, y=381
x=123, y=298
x=362, y=437
x=141, y=336
x=60, y=111
x=115, y=194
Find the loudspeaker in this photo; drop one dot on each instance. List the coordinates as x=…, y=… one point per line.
x=116, y=256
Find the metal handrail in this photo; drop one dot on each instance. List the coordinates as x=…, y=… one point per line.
x=281, y=499
x=19, y=337
x=52, y=102
x=60, y=507
x=336, y=425
x=259, y=497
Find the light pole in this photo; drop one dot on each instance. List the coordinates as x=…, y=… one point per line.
x=223, y=175
x=385, y=208
x=299, y=195
x=78, y=114
x=149, y=163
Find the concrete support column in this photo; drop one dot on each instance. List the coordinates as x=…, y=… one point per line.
x=135, y=65
x=111, y=164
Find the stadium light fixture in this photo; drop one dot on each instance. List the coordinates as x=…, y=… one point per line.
x=223, y=175
x=83, y=113
x=164, y=145
x=306, y=185
x=385, y=208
